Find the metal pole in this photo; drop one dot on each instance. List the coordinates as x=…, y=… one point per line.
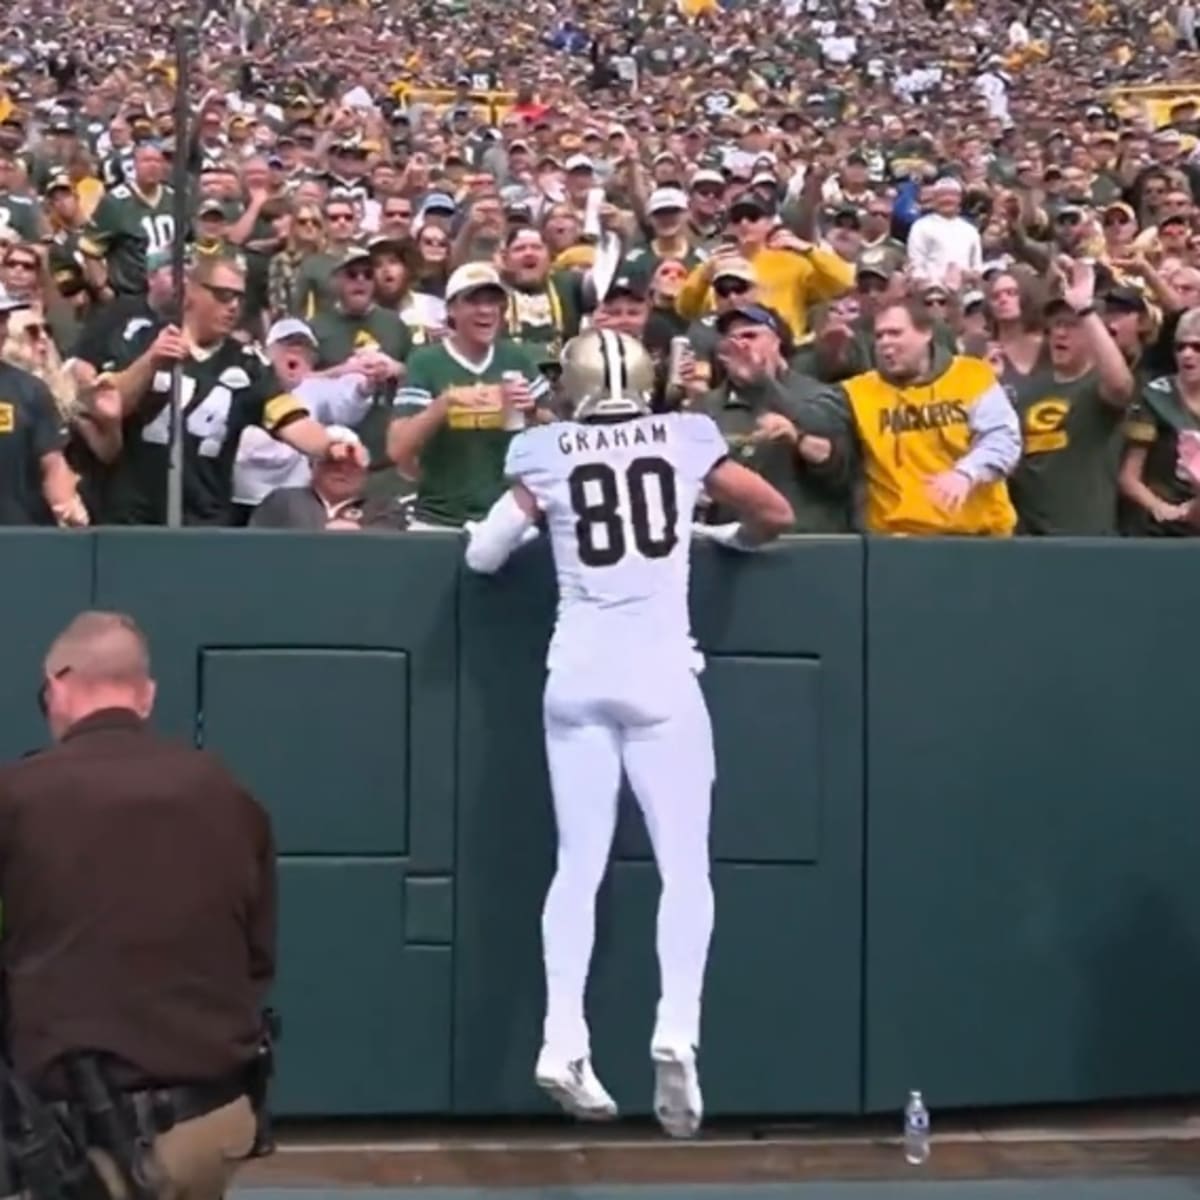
x=181, y=218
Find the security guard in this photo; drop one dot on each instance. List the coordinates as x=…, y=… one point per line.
x=138, y=883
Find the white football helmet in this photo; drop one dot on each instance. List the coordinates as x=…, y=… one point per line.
x=606, y=374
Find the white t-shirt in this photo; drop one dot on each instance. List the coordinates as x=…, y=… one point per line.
x=618, y=500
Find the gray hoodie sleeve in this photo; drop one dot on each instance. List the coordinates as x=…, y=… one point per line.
x=995, y=438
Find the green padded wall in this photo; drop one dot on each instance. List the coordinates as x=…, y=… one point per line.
x=47, y=580
x=322, y=670
x=1033, y=836
x=783, y=631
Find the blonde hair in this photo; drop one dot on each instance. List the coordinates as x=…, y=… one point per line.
x=18, y=350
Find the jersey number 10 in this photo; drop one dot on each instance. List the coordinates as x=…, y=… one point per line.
x=648, y=510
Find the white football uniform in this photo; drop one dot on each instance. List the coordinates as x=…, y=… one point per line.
x=622, y=693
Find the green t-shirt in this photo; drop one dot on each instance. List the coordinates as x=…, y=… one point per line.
x=338, y=336
x=124, y=228
x=20, y=214
x=462, y=464
x=1154, y=422
x=314, y=290
x=1066, y=482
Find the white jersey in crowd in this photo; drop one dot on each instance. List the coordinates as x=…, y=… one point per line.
x=618, y=501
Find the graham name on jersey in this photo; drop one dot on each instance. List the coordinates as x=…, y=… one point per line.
x=600, y=438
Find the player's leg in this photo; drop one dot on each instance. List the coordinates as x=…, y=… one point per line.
x=671, y=770
x=585, y=773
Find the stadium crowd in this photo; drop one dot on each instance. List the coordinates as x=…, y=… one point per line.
x=933, y=267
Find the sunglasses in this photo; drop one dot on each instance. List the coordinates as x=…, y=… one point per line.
x=224, y=295
x=1067, y=218
x=43, y=693
x=1186, y=345
x=741, y=218
x=20, y=264
x=730, y=287
x=358, y=273
x=310, y=222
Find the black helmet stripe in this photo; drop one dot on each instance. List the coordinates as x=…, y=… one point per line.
x=614, y=364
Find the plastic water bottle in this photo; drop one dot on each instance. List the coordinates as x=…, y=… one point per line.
x=916, y=1130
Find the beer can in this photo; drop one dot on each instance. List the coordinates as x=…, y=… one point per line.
x=680, y=346
x=591, y=213
x=514, y=419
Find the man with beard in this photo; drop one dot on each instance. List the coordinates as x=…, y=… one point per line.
x=356, y=323
x=462, y=401
x=543, y=306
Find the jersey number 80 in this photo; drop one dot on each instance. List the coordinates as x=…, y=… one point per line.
x=614, y=509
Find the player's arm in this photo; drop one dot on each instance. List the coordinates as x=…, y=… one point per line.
x=513, y=519
x=511, y=522
x=764, y=512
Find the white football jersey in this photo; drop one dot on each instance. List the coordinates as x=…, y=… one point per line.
x=618, y=500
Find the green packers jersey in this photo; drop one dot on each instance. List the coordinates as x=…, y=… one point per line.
x=1066, y=482
x=21, y=216
x=462, y=465
x=224, y=391
x=124, y=228
x=544, y=318
x=644, y=260
x=1154, y=422
x=339, y=335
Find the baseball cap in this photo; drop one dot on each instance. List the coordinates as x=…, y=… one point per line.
x=438, y=202
x=579, y=162
x=10, y=303
x=351, y=255
x=474, y=277
x=627, y=284
x=706, y=175
x=288, y=328
x=666, y=199
x=58, y=181
x=210, y=208
x=751, y=202
x=381, y=241
x=734, y=268
x=1125, y=299
x=879, y=261
x=756, y=314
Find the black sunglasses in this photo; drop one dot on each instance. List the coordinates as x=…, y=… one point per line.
x=224, y=295
x=42, y=695
x=730, y=287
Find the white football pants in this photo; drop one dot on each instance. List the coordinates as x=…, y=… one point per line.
x=658, y=730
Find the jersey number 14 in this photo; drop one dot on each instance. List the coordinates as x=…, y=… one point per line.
x=637, y=506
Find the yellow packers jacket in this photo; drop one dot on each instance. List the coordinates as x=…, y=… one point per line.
x=957, y=418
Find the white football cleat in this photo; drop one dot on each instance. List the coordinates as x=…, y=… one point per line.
x=678, y=1104
x=573, y=1084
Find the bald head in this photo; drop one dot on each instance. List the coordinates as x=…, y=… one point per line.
x=100, y=661
x=102, y=647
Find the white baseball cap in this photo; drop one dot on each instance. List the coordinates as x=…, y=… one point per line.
x=473, y=277
x=665, y=199
x=288, y=328
x=579, y=162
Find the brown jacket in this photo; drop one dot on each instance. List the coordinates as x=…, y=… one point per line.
x=138, y=884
